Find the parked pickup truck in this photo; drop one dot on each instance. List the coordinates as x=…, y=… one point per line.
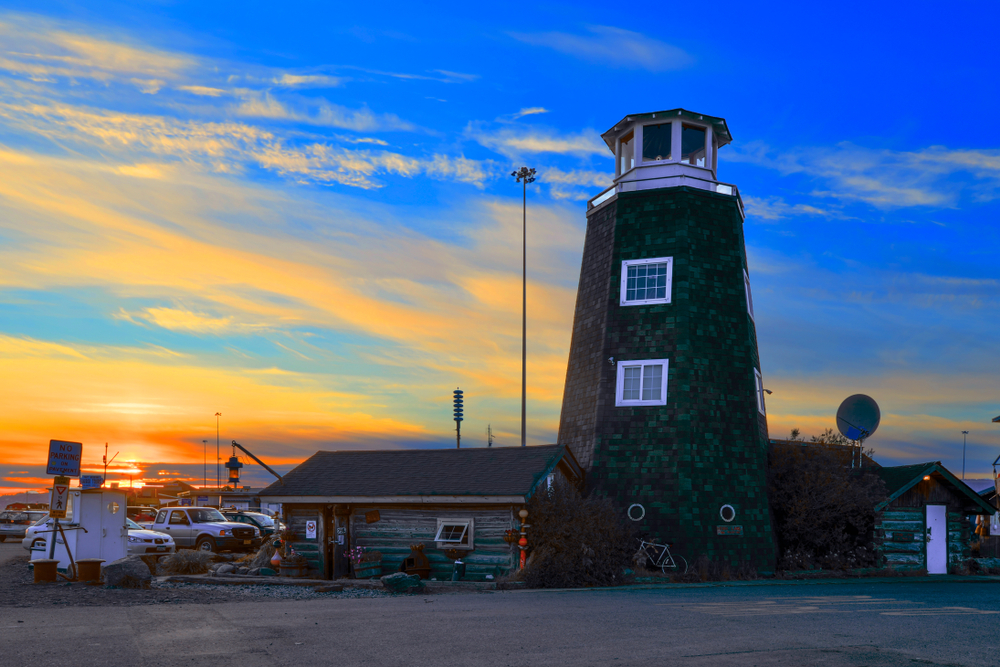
x=205, y=528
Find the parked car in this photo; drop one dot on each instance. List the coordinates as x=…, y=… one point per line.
x=263, y=522
x=15, y=523
x=205, y=529
x=141, y=514
x=30, y=536
x=140, y=540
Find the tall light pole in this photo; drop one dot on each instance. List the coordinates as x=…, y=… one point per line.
x=218, y=472
x=204, y=456
x=965, y=435
x=524, y=176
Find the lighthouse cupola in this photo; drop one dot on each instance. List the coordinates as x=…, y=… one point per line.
x=667, y=148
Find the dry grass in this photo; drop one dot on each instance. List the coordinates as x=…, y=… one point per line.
x=187, y=561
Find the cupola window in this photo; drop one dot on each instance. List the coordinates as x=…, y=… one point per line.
x=656, y=142
x=693, y=145
x=628, y=152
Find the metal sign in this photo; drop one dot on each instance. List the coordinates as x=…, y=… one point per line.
x=64, y=458
x=310, y=530
x=59, y=498
x=91, y=481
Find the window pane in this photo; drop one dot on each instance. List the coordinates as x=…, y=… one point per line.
x=631, y=389
x=628, y=152
x=451, y=533
x=693, y=145
x=656, y=142
x=646, y=281
x=652, y=379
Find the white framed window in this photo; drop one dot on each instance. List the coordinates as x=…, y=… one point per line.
x=454, y=534
x=746, y=282
x=646, y=281
x=641, y=382
x=759, y=386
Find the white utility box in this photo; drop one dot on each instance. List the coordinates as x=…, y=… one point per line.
x=102, y=513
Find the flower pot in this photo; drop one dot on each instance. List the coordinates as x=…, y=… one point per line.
x=368, y=569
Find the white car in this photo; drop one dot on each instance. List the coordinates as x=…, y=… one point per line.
x=140, y=540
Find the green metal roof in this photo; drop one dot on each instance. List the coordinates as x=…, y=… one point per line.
x=719, y=126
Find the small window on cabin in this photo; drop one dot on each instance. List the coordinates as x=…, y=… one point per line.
x=179, y=518
x=161, y=516
x=628, y=152
x=693, y=145
x=454, y=534
x=656, y=142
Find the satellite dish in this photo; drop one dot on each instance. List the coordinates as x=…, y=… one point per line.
x=858, y=417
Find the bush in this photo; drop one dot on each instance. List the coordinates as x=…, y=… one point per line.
x=576, y=542
x=824, y=511
x=186, y=561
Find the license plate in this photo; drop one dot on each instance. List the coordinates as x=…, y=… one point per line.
x=161, y=548
x=246, y=541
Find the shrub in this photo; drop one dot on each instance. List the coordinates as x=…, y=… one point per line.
x=186, y=561
x=575, y=541
x=824, y=511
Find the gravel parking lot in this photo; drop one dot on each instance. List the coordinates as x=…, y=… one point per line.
x=18, y=590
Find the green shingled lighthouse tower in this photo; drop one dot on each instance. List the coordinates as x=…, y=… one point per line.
x=664, y=401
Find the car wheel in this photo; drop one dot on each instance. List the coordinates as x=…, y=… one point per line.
x=205, y=544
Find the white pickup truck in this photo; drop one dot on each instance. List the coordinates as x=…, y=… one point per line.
x=205, y=529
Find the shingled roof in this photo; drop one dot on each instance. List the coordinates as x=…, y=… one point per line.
x=899, y=479
x=493, y=471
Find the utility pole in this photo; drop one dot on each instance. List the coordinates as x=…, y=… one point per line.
x=218, y=471
x=524, y=176
x=204, y=456
x=965, y=435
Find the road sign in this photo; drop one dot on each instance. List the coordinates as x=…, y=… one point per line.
x=91, y=481
x=59, y=498
x=310, y=530
x=64, y=458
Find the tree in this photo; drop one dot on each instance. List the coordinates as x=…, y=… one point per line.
x=824, y=510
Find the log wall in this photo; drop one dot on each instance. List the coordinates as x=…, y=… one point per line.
x=399, y=527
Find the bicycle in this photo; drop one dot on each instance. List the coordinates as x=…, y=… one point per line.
x=660, y=556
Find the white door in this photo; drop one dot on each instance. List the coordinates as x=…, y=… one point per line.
x=114, y=535
x=937, y=539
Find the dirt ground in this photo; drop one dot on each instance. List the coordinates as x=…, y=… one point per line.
x=17, y=589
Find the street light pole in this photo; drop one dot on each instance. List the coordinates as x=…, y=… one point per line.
x=965, y=435
x=524, y=176
x=204, y=456
x=218, y=472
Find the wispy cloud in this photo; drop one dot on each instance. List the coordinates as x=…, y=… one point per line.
x=515, y=142
x=529, y=111
x=308, y=81
x=886, y=178
x=776, y=208
x=616, y=47
x=577, y=184
x=40, y=50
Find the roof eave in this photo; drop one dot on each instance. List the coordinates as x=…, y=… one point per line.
x=719, y=126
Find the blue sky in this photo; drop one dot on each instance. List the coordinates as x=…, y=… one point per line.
x=303, y=217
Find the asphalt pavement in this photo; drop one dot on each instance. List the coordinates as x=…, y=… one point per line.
x=897, y=623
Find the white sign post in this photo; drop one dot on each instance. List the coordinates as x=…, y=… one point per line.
x=64, y=458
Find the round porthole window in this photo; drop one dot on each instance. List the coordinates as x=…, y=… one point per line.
x=636, y=512
x=727, y=513
x=113, y=507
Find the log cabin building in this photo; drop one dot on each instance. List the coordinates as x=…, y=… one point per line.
x=461, y=499
x=922, y=524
